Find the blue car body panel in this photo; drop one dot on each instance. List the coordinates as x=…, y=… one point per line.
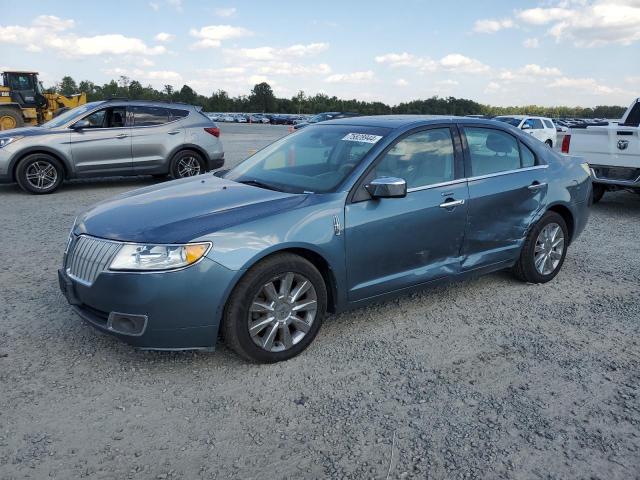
x=370, y=248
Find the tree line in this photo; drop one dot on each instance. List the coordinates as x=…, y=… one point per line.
x=262, y=99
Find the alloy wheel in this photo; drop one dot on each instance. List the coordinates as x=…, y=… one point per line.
x=188, y=167
x=41, y=175
x=282, y=312
x=549, y=249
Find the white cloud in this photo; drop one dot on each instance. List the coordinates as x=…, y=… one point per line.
x=271, y=53
x=212, y=36
x=286, y=68
x=538, y=71
x=543, y=16
x=177, y=4
x=492, y=26
x=164, y=37
x=589, y=24
x=531, y=43
x=53, y=32
x=583, y=84
x=451, y=62
x=225, y=12
x=354, y=77
x=154, y=6
x=155, y=76
x=401, y=82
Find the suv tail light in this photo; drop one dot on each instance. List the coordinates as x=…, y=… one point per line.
x=566, y=142
x=215, y=131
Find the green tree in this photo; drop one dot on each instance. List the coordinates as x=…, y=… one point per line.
x=262, y=98
x=68, y=86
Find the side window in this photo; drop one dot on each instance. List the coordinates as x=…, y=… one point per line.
x=491, y=151
x=149, y=116
x=421, y=159
x=535, y=123
x=548, y=124
x=528, y=158
x=114, y=117
x=177, y=114
x=96, y=119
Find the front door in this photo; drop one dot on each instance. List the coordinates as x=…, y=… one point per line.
x=104, y=147
x=394, y=243
x=507, y=188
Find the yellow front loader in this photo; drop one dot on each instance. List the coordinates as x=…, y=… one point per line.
x=23, y=101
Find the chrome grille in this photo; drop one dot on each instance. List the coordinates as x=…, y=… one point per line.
x=88, y=257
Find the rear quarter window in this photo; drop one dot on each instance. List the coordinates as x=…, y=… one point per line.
x=548, y=123
x=177, y=114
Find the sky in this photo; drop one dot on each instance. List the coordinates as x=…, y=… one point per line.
x=498, y=52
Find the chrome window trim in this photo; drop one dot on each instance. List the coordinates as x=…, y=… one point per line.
x=470, y=179
x=508, y=172
x=436, y=185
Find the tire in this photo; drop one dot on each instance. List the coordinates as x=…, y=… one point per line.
x=241, y=312
x=187, y=164
x=39, y=174
x=10, y=118
x=549, y=143
x=597, y=193
x=525, y=269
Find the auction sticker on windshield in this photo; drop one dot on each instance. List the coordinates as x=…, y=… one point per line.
x=361, y=137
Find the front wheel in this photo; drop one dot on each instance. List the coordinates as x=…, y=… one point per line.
x=39, y=173
x=544, y=250
x=276, y=310
x=187, y=164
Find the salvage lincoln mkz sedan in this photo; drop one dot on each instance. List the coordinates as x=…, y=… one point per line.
x=331, y=217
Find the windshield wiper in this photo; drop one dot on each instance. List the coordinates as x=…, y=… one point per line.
x=258, y=183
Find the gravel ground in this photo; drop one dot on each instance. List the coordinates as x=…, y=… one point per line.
x=489, y=378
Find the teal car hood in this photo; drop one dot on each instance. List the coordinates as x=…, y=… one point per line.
x=182, y=210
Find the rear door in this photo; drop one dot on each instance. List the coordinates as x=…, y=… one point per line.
x=536, y=128
x=156, y=133
x=507, y=188
x=104, y=148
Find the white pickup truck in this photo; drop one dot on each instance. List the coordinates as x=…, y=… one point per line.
x=612, y=151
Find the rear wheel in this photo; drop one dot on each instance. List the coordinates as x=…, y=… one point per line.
x=597, y=193
x=276, y=310
x=544, y=250
x=10, y=118
x=39, y=173
x=549, y=143
x=187, y=164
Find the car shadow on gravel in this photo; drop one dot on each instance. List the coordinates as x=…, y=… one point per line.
x=81, y=185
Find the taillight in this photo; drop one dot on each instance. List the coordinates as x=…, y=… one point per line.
x=566, y=142
x=215, y=131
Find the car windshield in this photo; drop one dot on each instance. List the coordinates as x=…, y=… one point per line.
x=70, y=115
x=313, y=160
x=510, y=120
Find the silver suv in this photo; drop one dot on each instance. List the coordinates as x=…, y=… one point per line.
x=108, y=138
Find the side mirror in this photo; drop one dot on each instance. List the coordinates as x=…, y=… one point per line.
x=81, y=124
x=526, y=126
x=387, y=187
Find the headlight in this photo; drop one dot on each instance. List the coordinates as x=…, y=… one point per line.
x=158, y=257
x=585, y=166
x=7, y=140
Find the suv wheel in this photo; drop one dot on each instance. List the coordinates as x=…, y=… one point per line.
x=276, y=309
x=187, y=164
x=39, y=173
x=544, y=250
x=549, y=143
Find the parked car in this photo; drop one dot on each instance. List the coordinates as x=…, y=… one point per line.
x=541, y=128
x=113, y=137
x=228, y=118
x=322, y=117
x=612, y=151
x=334, y=216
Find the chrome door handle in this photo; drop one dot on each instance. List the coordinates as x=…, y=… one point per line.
x=536, y=186
x=122, y=135
x=173, y=132
x=452, y=203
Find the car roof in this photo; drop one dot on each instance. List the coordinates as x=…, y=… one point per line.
x=522, y=116
x=152, y=103
x=399, y=121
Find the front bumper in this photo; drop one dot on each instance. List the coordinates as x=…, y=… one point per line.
x=160, y=311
